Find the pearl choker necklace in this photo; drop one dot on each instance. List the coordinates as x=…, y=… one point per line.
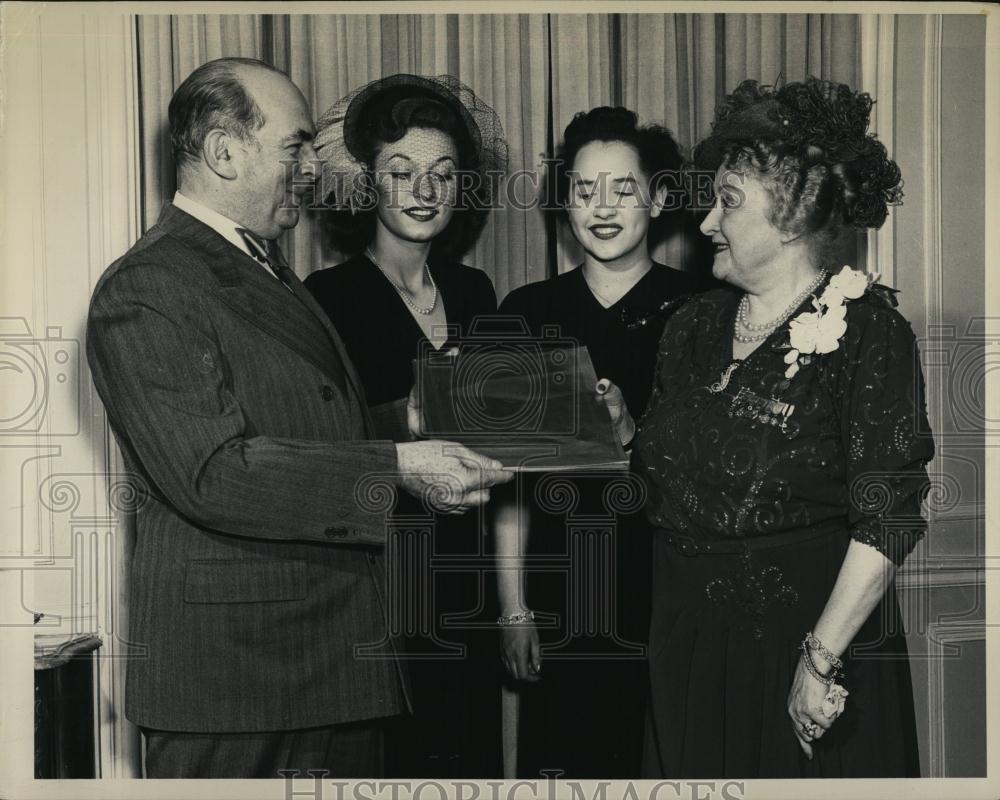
x=757, y=333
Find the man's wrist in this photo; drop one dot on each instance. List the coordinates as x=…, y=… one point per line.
x=401, y=464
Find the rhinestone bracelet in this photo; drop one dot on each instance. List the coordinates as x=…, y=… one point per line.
x=819, y=647
x=827, y=680
x=516, y=619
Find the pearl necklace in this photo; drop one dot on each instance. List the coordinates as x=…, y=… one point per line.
x=758, y=333
x=403, y=291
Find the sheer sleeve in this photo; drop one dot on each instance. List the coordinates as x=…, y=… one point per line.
x=886, y=435
x=659, y=376
x=680, y=318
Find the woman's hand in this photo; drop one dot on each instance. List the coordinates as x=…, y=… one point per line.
x=520, y=651
x=805, y=705
x=864, y=578
x=414, y=414
x=612, y=397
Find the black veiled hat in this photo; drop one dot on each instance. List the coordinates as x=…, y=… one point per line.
x=347, y=125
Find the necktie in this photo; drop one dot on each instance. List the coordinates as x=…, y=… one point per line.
x=268, y=252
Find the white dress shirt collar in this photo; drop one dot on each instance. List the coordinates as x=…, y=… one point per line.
x=219, y=223
x=223, y=226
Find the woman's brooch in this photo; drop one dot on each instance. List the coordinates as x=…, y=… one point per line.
x=749, y=405
x=661, y=312
x=767, y=411
x=727, y=374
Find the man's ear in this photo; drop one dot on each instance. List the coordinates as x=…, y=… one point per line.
x=218, y=153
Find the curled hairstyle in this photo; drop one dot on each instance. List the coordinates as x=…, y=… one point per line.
x=807, y=142
x=213, y=97
x=659, y=155
x=387, y=118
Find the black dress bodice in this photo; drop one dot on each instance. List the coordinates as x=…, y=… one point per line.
x=377, y=328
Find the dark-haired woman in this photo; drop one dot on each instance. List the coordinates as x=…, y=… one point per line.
x=410, y=157
x=418, y=153
x=582, y=673
x=784, y=451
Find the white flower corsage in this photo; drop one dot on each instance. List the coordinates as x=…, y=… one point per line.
x=817, y=332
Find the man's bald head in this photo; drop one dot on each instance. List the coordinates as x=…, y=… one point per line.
x=242, y=138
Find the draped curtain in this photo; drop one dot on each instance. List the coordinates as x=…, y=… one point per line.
x=536, y=71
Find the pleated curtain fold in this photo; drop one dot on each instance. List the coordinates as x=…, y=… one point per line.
x=170, y=48
x=535, y=70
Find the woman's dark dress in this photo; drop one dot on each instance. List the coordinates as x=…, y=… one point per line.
x=454, y=667
x=585, y=717
x=778, y=510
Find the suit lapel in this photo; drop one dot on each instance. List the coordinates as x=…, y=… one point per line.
x=306, y=299
x=262, y=300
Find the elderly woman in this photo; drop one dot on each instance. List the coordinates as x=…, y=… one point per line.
x=784, y=452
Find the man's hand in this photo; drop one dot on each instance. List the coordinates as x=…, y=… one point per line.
x=450, y=477
x=612, y=397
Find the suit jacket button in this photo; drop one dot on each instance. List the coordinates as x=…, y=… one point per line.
x=326, y=392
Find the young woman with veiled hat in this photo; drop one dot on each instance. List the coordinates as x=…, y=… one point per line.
x=412, y=162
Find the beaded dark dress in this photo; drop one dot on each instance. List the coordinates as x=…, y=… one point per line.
x=752, y=526
x=585, y=717
x=454, y=668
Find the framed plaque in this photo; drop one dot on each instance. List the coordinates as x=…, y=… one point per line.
x=530, y=404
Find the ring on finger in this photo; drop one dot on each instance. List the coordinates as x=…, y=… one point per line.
x=809, y=728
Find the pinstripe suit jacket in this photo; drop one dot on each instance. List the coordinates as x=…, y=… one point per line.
x=257, y=580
